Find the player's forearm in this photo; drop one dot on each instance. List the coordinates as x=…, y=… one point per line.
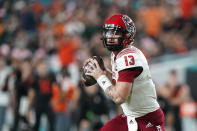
x=113, y=94
x=110, y=90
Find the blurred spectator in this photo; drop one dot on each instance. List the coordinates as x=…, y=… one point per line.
x=67, y=49
x=186, y=7
x=93, y=109
x=153, y=17
x=163, y=102
x=27, y=18
x=176, y=93
x=67, y=46
x=4, y=90
x=62, y=97
x=23, y=82
x=41, y=94
x=21, y=40
x=166, y=107
x=188, y=111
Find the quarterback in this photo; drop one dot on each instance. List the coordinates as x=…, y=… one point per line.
x=133, y=87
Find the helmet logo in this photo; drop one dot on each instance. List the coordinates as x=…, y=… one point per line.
x=128, y=23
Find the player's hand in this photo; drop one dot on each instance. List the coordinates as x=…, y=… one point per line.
x=94, y=69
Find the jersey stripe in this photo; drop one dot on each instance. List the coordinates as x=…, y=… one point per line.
x=126, y=52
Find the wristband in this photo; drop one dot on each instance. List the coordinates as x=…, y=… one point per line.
x=104, y=82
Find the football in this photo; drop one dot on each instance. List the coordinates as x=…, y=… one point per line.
x=89, y=80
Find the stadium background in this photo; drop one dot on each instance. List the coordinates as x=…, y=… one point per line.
x=63, y=33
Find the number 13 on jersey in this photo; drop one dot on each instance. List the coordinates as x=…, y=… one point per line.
x=129, y=60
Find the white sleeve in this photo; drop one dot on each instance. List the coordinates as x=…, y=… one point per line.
x=127, y=61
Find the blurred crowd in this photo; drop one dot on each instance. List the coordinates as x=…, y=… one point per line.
x=43, y=44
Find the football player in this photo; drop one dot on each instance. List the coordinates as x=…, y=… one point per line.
x=134, y=89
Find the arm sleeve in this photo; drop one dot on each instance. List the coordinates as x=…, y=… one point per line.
x=128, y=75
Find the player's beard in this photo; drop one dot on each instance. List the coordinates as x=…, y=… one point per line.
x=114, y=47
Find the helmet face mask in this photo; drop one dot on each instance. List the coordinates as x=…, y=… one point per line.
x=113, y=38
x=118, y=32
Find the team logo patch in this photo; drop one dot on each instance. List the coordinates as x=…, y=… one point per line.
x=149, y=125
